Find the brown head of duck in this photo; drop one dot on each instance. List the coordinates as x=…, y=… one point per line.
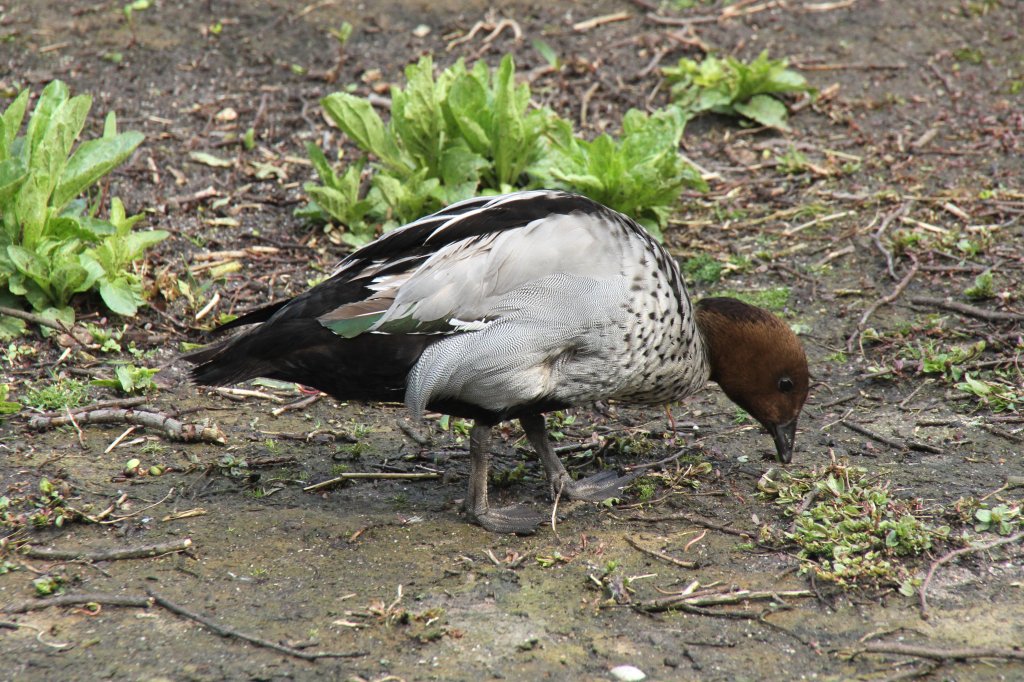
x=759, y=364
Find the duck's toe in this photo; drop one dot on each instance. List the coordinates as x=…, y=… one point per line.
x=596, y=488
x=516, y=518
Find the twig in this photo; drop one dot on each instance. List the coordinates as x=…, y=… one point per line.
x=412, y=434
x=581, y=26
x=658, y=555
x=694, y=603
x=896, y=445
x=297, y=404
x=965, y=309
x=171, y=427
x=939, y=653
x=883, y=301
x=35, y=319
x=10, y=625
x=945, y=559
x=554, y=511
x=585, y=102
x=369, y=475
x=242, y=393
x=877, y=236
x=225, y=631
x=77, y=599
x=696, y=520
x=107, y=554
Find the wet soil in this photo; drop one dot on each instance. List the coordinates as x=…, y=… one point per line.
x=920, y=119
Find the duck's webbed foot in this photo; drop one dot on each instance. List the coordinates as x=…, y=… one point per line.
x=517, y=518
x=594, y=488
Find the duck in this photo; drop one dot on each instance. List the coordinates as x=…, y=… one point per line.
x=508, y=307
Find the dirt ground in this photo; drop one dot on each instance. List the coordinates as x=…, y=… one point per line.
x=919, y=124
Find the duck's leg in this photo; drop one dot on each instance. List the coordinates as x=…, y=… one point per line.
x=595, y=488
x=517, y=518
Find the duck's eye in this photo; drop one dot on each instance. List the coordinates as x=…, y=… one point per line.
x=785, y=384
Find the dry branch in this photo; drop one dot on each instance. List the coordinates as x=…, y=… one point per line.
x=369, y=475
x=965, y=309
x=171, y=427
x=945, y=559
x=939, y=653
x=225, y=631
x=77, y=600
x=107, y=554
x=658, y=555
x=698, y=603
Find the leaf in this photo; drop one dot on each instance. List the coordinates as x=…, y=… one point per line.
x=10, y=123
x=359, y=121
x=764, y=109
x=13, y=172
x=52, y=96
x=119, y=296
x=93, y=160
x=208, y=159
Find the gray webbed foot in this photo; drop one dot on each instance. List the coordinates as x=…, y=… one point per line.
x=596, y=488
x=516, y=518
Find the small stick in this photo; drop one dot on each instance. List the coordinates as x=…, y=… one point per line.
x=412, y=434
x=945, y=559
x=696, y=520
x=77, y=599
x=225, y=631
x=659, y=555
x=297, y=405
x=694, y=604
x=588, y=24
x=969, y=310
x=239, y=393
x=369, y=475
x=587, y=96
x=32, y=317
x=883, y=301
x=107, y=554
x=939, y=654
x=172, y=428
x=910, y=445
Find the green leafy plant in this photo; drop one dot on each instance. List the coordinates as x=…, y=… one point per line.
x=53, y=245
x=61, y=394
x=998, y=396
x=130, y=379
x=471, y=131
x=7, y=406
x=450, y=137
x=982, y=288
x=641, y=174
x=848, y=527
x=729, y=86
x=1001, y=519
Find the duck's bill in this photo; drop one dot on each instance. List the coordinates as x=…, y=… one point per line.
x=784, y=435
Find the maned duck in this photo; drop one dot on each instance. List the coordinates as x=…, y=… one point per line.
x=507, y=307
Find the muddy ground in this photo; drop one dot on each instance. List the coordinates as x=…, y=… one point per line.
x=919, y=123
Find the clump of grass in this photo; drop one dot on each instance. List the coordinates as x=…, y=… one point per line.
x=848, y=526
x=59, y=394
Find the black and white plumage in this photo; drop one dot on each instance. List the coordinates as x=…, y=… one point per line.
x=510, y=306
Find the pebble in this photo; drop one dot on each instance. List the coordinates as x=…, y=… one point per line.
x=628, y=673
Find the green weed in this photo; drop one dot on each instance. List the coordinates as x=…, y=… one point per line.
x=7, y=406
x=130, y=379
x=731, y=87
x=852, y=531
x=472, y=131
x=60, y=394
x=53, y=245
